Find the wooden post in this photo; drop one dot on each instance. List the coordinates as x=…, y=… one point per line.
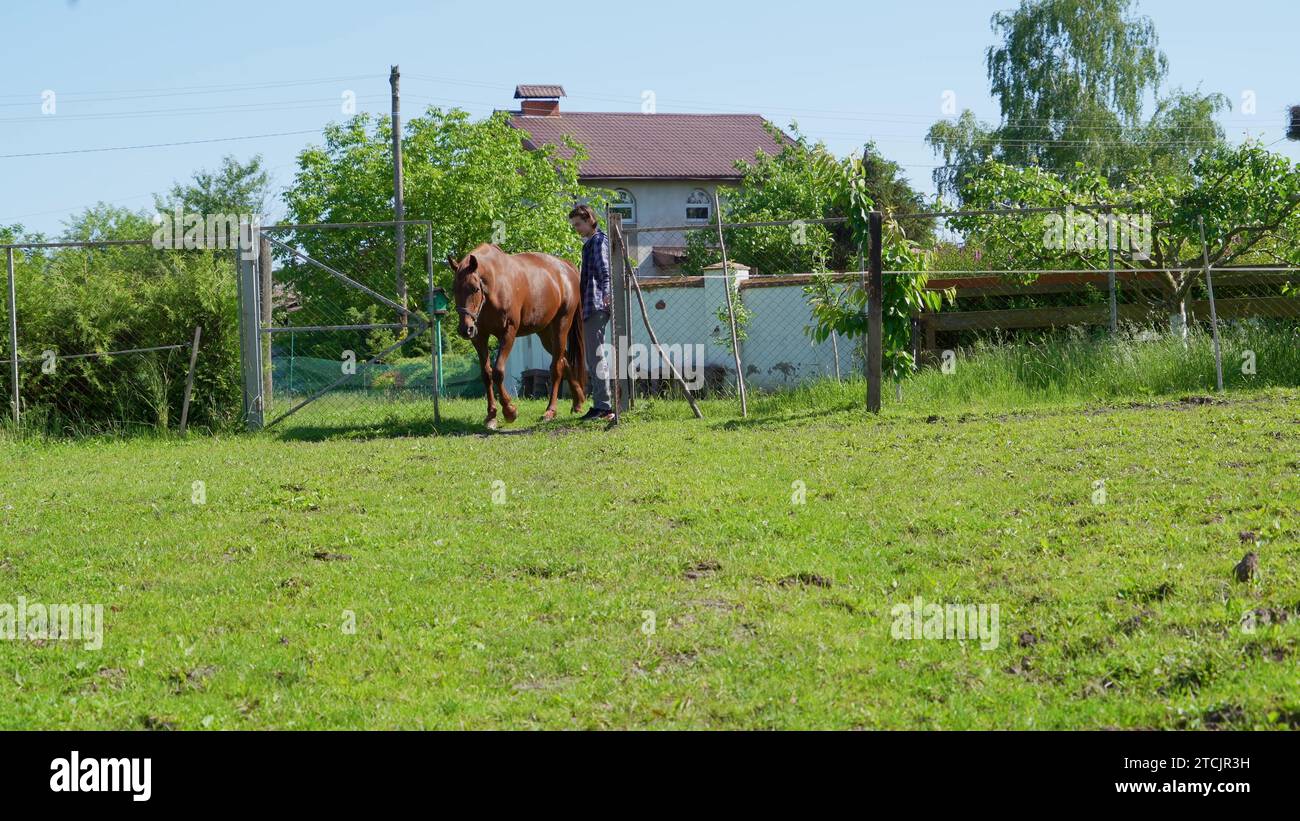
x=618, y=275
x=731, y=309
x=875, y=314
x=13, y=334
x=264, y=266
x=189, y=378
x=1214, y=317
x=629, y=271
x=435, y=330
x=399, y=204
x=835, y=352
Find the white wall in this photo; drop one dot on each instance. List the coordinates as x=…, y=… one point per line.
x=777, y=354
x=658, y=202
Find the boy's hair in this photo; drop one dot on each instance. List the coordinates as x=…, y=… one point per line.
x=586, y=212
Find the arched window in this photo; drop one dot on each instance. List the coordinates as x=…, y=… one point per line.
x=698, y=206
x=624, y=204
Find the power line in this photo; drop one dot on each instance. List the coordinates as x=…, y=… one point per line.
x=277, y=105
x=890, y=117
x=181, y=91
x=113, y=200
x=157, y=145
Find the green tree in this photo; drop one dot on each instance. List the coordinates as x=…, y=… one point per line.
x=1248, y=197
x=803, y=180
x=93, y=300
x=843, y=309
x=1071, y=78
x=474, y=179
x=234, y=188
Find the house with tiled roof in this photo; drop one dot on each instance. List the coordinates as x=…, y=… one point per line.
x=662, y=168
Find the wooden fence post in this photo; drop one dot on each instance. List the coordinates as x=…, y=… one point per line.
x=620, y=378
x=875, y=314
x=731, y=310
x=189, y=378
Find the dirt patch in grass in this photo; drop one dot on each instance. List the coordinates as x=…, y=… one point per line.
x=804, y=579
x=152, y=722
x=701, y=569
x=327, y=556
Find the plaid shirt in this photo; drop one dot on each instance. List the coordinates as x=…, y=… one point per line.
x=595, y=274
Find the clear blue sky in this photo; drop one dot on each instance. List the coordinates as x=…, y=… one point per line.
x=131, y=72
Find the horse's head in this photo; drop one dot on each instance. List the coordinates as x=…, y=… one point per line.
x=470, y=292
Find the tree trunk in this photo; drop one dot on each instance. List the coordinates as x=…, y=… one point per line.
x=1178, y=317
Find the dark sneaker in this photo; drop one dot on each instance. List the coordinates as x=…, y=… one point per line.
x=591, y=413
x=601, y=414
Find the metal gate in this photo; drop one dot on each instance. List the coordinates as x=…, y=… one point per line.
x=327, y=313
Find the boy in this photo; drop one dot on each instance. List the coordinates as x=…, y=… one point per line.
x=596, y=303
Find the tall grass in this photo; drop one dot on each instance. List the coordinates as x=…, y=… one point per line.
x=1134, y=365
x=1069, y=367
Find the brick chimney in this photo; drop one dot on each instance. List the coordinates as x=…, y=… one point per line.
x=539, y=100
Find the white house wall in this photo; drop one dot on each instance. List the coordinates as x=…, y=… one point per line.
x=777, y=353
x=658, y=202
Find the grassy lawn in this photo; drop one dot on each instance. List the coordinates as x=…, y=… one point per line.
x=660, y=574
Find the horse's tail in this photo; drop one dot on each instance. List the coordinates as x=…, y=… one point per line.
x=577, y=348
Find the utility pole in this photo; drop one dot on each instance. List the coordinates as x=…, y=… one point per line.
x=399, y=207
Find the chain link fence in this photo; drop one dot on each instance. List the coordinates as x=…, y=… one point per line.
x=1099, y=319
x=117, y=336
x=770, y=273
x=114, y=335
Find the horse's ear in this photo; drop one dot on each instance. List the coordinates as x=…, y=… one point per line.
x=471, y=264
x=451, y=262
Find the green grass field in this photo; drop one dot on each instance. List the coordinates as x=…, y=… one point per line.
x=357, y=572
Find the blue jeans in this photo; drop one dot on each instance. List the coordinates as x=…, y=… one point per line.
x=598, y=368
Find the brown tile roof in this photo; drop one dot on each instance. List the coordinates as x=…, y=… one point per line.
x=625, y=145
x=668, y=256
x=524, y=92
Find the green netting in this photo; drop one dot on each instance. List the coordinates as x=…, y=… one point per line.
x=305, y=375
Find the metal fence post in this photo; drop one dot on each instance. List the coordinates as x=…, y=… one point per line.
x=265, y=290
x=1111, y=238
x=1214, y=316
x=875, y=314
x=250, y=332
x=13, y=333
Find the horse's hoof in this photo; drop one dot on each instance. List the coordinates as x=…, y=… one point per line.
x=491, y=424
x=549, y=415
x=510, y=412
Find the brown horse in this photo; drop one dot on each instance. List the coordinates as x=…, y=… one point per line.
x=510, y=295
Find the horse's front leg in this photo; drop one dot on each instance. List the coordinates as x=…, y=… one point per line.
x=557, y=371
x=485, y=371
x=508, y=408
